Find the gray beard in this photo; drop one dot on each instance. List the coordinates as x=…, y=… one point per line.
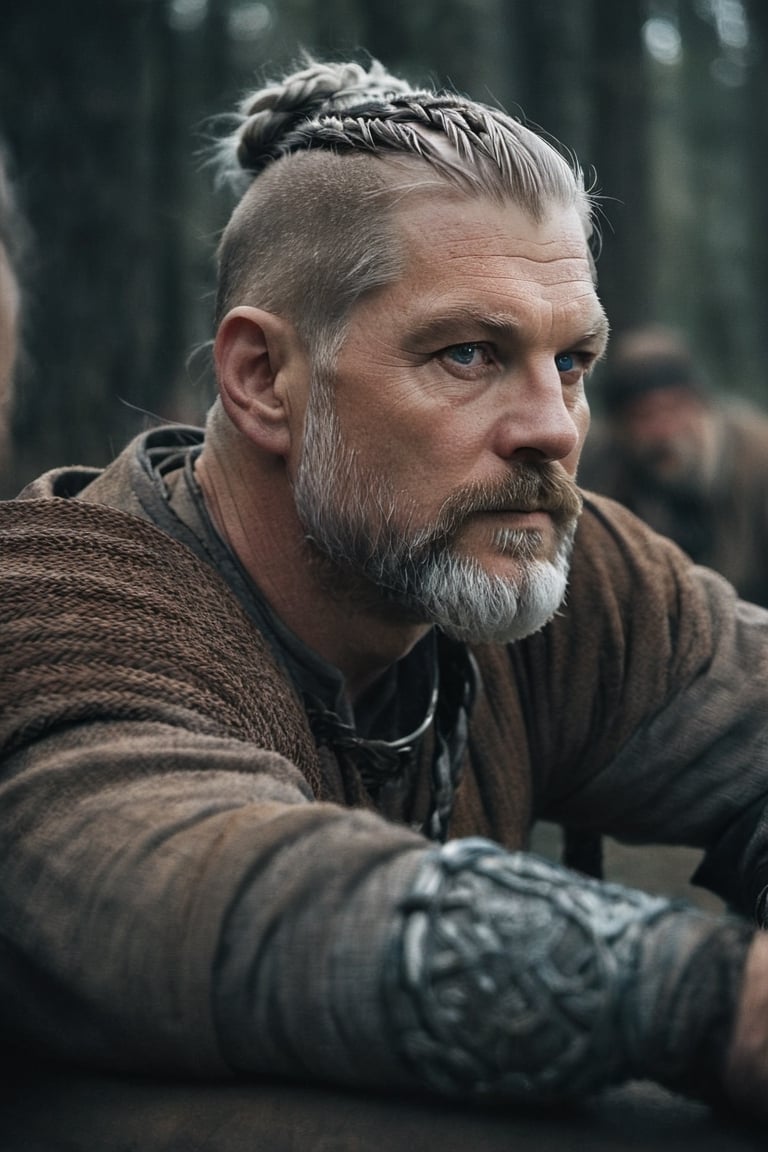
x=364, y=553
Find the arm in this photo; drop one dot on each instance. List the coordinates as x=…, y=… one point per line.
x=174, y=898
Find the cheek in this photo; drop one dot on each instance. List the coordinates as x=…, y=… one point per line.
x=582, y=418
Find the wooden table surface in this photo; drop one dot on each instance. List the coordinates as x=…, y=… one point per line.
x=88, y=1113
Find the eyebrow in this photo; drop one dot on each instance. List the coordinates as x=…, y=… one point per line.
x=442, y=326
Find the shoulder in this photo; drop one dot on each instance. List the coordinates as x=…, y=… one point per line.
x=103, y=615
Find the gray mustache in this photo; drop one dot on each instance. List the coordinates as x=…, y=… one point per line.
x=528, y=488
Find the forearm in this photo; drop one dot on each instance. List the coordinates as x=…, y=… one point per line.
x=489, y=974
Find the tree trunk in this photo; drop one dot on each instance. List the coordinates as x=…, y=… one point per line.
x=620, y=154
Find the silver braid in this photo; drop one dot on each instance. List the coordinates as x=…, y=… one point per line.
x=512, y=977
x=270, y=114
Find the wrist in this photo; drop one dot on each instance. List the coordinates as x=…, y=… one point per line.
x=681, y=1009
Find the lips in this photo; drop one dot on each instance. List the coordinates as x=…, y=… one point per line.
x=526, y=490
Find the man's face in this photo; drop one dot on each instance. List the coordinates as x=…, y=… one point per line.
x=667, y=434
x=436, y=475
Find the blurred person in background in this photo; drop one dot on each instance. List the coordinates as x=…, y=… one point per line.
x=691, y=466
x=11, y=237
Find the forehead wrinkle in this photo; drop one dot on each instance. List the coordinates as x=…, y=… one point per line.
x=569, y=269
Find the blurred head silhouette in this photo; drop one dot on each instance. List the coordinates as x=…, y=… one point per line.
x=657, y=404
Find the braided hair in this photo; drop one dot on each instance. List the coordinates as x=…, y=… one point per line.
x=321, y=158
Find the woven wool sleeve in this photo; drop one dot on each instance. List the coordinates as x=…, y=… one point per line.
x=103, y=615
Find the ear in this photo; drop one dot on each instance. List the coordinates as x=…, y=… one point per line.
x=263, y=376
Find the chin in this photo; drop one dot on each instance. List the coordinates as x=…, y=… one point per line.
x=483, y=607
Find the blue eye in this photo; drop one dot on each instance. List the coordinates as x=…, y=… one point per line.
x=565, y=362
x=463, y=354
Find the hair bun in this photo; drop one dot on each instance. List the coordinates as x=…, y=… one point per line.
x=269, y=114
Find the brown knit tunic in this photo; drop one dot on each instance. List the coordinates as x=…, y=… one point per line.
x=168, y=832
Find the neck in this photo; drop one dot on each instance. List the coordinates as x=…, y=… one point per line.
x=250, y=502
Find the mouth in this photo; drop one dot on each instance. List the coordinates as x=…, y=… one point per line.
x=533, y=517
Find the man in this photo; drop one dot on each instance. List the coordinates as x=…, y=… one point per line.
x=690, y=466
x=282, y=703
x=11, y=238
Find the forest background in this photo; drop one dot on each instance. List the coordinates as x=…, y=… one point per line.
x=106, y=107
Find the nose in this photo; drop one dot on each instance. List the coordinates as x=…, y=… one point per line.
x=539, y=420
